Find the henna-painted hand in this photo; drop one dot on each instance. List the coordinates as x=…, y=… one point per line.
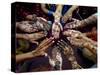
x=56, y=29
x=26, y=27
x=69, y=53
x=67, y=17
x=74, y=24
x=76, y=38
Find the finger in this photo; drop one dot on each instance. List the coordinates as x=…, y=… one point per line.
x=48, y=41
x=60, y=42
x=68, y=32
x=34, y=42
x=91, y=48
x=47, y=46
x=43, y=49
x=45, y=42
x=73, y=33
x=64, y=42
x=36, y=36
x=75, y=42
x=43, y=45
x=60, y=46
x=68, y=48
x=34, y=30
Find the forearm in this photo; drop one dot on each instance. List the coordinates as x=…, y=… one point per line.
x=22, y=36
x=19, y=35
x=17, y=24
x=29, y=55
x=88, y=40
x=29, y=17
x=68, y=15
x=74, y=7
x=89, y=55
x=25, y=56
x=31, y=37
x=90, y=47
x=69, y=53
x=44, y=8
x=91, y=20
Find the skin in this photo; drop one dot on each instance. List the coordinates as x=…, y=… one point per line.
x=25, y=26
x=78, y=39
x=76, y=24
x=57, y=27
x=56, y=56
x=73, y=24
x=29, y=17
x=69, y=53
x=44, y=9
x=31, y=37
x=33, y=24
x=68, y=15
x=39, y=51
x=56, y=31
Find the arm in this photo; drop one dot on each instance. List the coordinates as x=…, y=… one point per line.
x=76, y=24
x=69, y=53
x=39, y=51
x=78, y=39
x=25, y=56
x=91, y=20
x=31, y=37
x=43, y=7
x=69, y=13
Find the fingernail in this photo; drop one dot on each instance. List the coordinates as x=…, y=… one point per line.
x=45, y=35
x=57, y=43
x=61, y=40
x=68, y=38
x=52, y=37
x=53, y=41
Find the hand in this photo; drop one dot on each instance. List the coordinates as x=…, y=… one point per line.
x=31, y=37
x=69, y=53
x=66, y=17
x=76, y=38
x=44, y=45
x=56, y=29
x=74, y=24
x=25, y=26
x=68, y=14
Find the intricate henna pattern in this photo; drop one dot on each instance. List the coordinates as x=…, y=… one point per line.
x=36, y=28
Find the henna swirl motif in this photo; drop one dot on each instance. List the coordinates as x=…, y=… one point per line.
x=37, y=28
